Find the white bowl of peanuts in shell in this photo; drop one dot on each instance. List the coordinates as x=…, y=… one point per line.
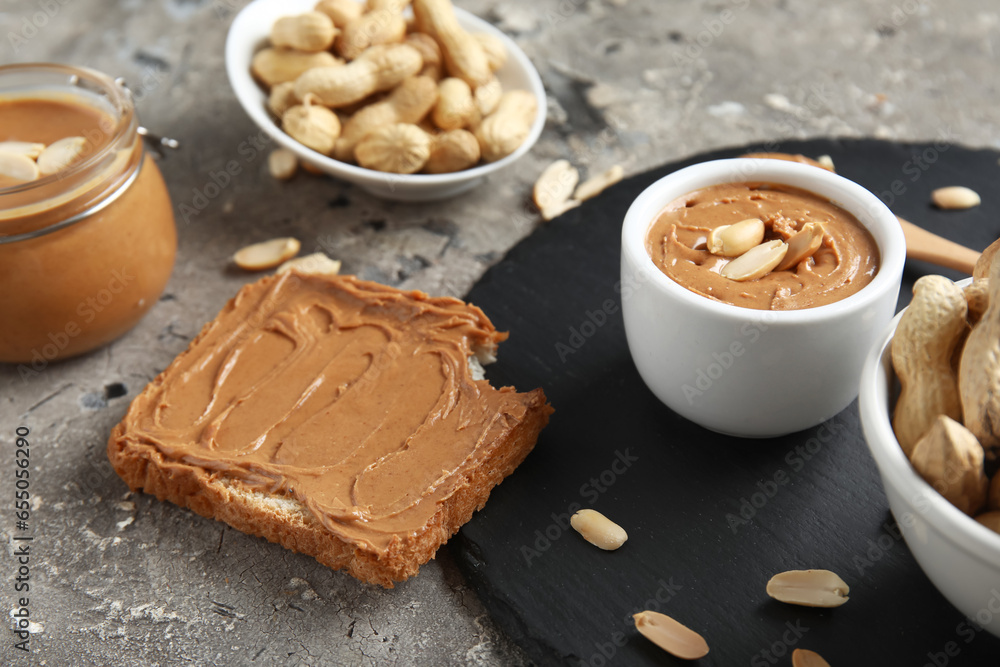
x=410, y=103
x=937, y=447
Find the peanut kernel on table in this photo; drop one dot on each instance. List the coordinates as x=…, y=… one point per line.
x=670, y=635
x=282, y=164
x=955, y=197
x=555, y=185
x=595, y=185
x=266, y=255
x=316, y=263
x=809, y=588
x=598, y=529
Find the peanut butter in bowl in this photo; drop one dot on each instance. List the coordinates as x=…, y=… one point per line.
x=762, y=246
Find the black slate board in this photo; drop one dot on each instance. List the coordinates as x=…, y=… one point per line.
x=677, y=488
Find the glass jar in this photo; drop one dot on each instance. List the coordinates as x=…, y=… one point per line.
x=84, y=252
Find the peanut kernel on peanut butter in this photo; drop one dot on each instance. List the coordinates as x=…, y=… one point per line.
x=735, y=239
x=18, y=166
x=60, y=154
x=756, y=262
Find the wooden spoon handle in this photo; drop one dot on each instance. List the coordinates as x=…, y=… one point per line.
x=927, y=247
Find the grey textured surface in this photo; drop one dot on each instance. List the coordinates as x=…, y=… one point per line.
x=119, y=579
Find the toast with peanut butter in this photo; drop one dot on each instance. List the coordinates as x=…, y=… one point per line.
x=339, y=418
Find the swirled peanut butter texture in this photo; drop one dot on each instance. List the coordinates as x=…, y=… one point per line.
x=845, y=262
x=353, y=398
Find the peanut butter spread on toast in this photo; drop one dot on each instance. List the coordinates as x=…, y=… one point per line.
x=353, y=398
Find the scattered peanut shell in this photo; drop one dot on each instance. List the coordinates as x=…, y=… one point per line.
x=61, y=154
x=595, y=185
x=316, y=263
x=809, y=588
x=673, y=637
x=802, y=657
x=802, y=245
x=282, y=164
x=17, y=166
x=25, y=148
x=756, y=262
x=826, y=162
x=266, y=255
x=735, y=239
x=598, y=529
x=555, y=185
x=955, y=197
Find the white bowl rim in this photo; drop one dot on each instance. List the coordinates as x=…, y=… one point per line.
x=258, y=114
x=964, y=532
x=637, y=223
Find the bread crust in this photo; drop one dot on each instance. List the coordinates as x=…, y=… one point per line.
x=283, y=519
x=287, y=522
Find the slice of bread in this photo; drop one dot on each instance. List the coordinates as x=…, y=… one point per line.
x=289, y=417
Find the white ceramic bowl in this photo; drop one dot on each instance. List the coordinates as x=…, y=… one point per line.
x=249, y=33
x=959, y=556
x=746, y=372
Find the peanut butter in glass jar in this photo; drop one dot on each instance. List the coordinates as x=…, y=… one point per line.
x=87, y=250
